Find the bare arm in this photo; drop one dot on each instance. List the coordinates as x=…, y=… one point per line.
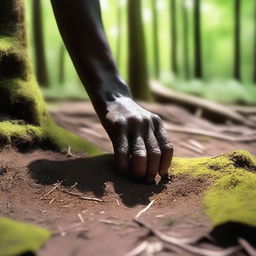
x=139, y=140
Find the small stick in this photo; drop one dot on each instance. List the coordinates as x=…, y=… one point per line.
x=69, y=154
x=145, y=209
x=117, y=201
x=63, y=232
x=110, y=222
x=247, y=246
x=81, y=196
x=74, y=185
x=80, y=217
x=191, y=147
x=51, y=190
x=139, y=249
x=52, y=200
x=91, y=199
x=183, y=243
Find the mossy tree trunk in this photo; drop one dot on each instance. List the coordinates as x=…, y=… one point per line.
x=138, y=71
x=39, y=46
x=254, y=46
x=155, y=38
x=197, y=40
x=24, y=119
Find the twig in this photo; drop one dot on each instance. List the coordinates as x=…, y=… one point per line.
x=51, y=190
x=145, y=209
x=81, y=196
x=52, y=200
x=139, y=249
x=69, y=154
x=196, y=144
x=91, y=199
x=191, y=147
x=80, y=217
x=110, y=222
x=247, y=247
x=183, y=243
x=216, y=135
x=63, y=232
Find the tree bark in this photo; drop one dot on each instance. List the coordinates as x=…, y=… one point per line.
x=138, y=71
x=197, y=40
x=174, y=37
x=254, y=46
x=62, y=64
x=39, y=46
x=185, y=40
x=155, y=39
x=119, y=36
x=237, y=40
x=24, y=120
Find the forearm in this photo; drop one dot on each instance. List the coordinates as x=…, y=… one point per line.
x=81, y=27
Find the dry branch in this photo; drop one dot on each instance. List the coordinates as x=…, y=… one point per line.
x=216, y=135
x=163, y=94
x=183, y=244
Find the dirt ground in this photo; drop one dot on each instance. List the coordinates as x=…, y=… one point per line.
x=52, y=190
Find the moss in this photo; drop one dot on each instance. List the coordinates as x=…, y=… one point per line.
x=25, y=121
x=50, y=136
x=231, y=198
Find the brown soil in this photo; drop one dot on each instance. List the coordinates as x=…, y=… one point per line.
x=108, y=228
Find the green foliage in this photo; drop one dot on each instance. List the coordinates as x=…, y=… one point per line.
x=231, y=197
x=18, y=238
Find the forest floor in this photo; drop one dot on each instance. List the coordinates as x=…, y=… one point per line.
x=50, y=189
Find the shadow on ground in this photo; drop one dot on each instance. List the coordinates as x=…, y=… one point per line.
x=93, y=175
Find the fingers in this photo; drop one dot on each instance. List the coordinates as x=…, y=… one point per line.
x=165, y=147
x=153, y=158
x=138, y=158
x=142, y=148
x=121, y=147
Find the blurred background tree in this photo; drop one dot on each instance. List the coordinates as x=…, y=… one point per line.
x=202, y=47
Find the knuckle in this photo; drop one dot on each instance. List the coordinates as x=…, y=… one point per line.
x=135, y=120
x=140, y=153
x=168, y=147
x=157, y=118
x=155, y=153
x=120, y=124
x=122, y=151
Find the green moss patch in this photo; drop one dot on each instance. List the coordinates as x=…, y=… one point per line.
x=18, y=238
x=25, y=121
x=231, y=197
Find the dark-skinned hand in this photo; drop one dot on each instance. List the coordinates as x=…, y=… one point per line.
x=142, y=148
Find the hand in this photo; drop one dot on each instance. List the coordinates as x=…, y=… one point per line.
x=141, y=146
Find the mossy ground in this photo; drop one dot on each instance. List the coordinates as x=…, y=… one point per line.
x=231, y=197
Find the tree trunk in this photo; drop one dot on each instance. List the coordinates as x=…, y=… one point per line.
x=197, y=40
x=24, y=120
x=39, y=47
x=119, y=35
x=237, y=40
x=185, y=40
x=174, y=37
x=254, y=46
x=155, y=39
x=138, y=72
x=62, y=64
